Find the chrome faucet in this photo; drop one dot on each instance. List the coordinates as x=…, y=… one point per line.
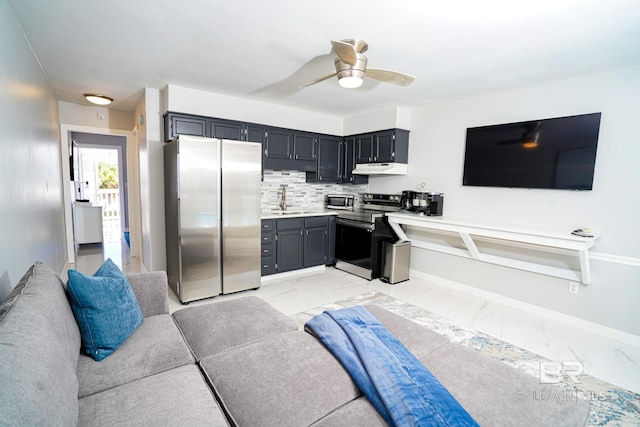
x=283, y=198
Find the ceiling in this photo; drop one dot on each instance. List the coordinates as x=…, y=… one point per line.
x=263, y=50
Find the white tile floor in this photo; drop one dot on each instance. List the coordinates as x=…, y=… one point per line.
x=603, y=357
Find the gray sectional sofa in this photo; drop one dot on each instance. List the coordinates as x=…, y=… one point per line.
x=233, y=362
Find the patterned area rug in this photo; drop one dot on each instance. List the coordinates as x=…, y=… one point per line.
x=610, y=405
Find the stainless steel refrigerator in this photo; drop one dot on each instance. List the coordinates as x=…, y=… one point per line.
x=212, y=211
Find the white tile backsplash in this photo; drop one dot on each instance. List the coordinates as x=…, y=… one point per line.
x=301, y=194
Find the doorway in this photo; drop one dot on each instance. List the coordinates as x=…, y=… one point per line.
x=100, y=180
x=122, y=205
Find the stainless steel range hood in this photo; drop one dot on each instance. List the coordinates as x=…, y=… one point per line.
x=380, y=169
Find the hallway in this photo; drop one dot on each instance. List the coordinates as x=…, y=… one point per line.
x=90, y=257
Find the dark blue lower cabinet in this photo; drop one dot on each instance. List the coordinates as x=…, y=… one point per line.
x=294, y=243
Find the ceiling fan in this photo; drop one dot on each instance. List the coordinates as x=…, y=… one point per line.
x=530, y=137
x=351, y=67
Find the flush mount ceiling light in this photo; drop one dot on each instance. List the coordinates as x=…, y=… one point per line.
x=98, y=99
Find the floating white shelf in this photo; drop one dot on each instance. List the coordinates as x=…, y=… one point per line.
x=467, y=230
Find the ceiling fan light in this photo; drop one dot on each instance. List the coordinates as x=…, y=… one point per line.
x=98, y=99
x=350, y=82
x=531, y=141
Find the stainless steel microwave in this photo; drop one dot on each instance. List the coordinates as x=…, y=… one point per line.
x=340, y=201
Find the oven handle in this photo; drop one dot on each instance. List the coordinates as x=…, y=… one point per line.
x=355, y=224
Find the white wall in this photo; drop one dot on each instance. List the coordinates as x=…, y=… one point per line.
x=88, y=115
x=31, y=215
x=193, y=101
x=150, y=145
x=378, y=120
x=436, y=155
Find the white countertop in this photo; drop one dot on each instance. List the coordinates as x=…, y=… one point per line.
x=295, y=212
x=521, y=229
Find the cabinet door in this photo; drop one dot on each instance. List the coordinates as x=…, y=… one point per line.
x=384, y=146
x=349, y=164
x=315, y=246
x=289, y=250
x=279, y=143
x=226, y=129
x=330, y=167
x=255, y=133
x=304, y=146
x=183, y=124
x=364, y=148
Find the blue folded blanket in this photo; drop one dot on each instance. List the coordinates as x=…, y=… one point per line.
x=396, y=383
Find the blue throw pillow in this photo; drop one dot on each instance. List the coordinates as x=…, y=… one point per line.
x=105, y=308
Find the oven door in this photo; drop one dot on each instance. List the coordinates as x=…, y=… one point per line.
x=354, y=244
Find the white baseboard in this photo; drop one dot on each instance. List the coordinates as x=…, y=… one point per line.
x=294, y=273
x=612, y=333
x=64, y=274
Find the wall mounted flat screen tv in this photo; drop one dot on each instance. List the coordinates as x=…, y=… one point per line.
x=557, y=153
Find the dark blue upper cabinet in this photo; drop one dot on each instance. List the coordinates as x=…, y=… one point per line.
x=329, y=158
x=325, y=158
x=183, y=124
x=279, y=143
x=227, y=129
x=305, y=146
x=364, y=148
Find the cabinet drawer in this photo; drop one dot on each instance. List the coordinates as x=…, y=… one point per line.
x=290, y=224
x=266, y=238
x=267, y=265
x=266, y=249
x=315, y=221
x=267, y=225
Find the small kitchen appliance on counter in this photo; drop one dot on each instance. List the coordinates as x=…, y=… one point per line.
x=422, y=203
x=344, y=202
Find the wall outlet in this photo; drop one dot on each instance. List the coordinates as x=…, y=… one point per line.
x=574, y=287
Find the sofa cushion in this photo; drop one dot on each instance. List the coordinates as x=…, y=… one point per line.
x=497, y=394
x=105, y=308
x=213, y=328
x=151, y=290
x=156, y=346
x=285, y=380
x=178, y=397
x=17, y=290
x=39, y=348
x=416, y=338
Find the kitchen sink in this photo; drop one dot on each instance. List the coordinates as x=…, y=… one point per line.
x=287, y=212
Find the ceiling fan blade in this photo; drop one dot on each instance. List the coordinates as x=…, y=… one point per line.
x=389, y=76
x=510, y=141
x=346, y=52
x=321, y=79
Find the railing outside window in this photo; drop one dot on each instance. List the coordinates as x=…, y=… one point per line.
x=110, y=201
